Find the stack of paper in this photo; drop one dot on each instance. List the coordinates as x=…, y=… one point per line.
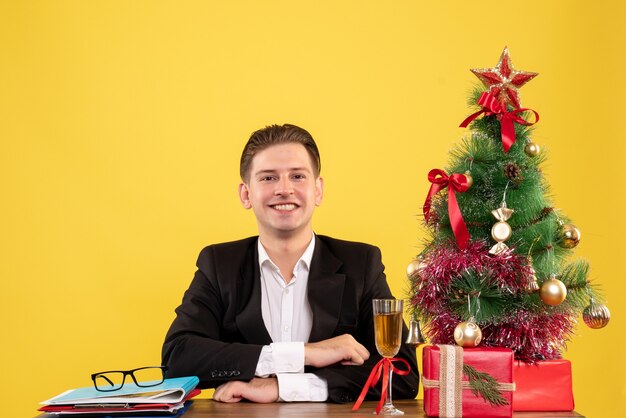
x=168, y=398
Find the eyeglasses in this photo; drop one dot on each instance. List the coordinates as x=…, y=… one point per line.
x=143, y=377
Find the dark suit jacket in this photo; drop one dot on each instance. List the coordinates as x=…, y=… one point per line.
x=218, y=332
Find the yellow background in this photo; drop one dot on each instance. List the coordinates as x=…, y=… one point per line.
x=121, y=125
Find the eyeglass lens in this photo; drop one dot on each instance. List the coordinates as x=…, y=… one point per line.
x=144, y=377
x=148, y=376
x=109, y=381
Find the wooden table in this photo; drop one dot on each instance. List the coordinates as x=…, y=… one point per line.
x=411, y=408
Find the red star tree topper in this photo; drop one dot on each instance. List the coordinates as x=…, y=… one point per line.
x=504, y=80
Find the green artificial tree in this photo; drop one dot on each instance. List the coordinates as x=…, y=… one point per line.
x=496, y=268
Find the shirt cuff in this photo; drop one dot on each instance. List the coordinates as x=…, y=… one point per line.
x=301, y=387
x=284, y=357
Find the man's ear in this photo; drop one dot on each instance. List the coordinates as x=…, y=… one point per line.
x=244, y=195
x=319, y=190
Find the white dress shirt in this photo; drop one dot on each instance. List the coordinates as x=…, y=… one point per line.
x=288, y=319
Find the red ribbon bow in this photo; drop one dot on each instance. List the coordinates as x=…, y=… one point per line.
x=382, y=367
x=454, y=183
x=491, y=106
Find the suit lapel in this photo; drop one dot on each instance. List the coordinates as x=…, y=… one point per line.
x=325, y=291
x=249, y=318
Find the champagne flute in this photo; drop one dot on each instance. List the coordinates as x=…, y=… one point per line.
x=388, y=333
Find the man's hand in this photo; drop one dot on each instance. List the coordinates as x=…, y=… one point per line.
x=261, y=390
x=343, y=349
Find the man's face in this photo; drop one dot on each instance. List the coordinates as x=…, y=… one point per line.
x=282, y=190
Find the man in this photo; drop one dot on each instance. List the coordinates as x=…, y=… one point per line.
x=286, y=315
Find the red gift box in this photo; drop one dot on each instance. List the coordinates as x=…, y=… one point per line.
x=497, y=362
x=543, y=386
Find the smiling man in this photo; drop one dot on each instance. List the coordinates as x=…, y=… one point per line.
x=285, y=315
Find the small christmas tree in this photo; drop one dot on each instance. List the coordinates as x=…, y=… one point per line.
x=495, y=265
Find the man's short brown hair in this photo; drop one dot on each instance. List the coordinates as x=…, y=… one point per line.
x=275, y=135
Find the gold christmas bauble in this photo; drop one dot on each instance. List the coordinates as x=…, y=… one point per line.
x=468, y=334
x=532, y=150
x=501, y=231
x=553, y=292
x=570, y=236
x=415, y=267
x=470, y=179
x=596, y=315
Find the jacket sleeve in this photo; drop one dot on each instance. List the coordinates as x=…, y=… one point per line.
x=196, y=344
x=346, y=382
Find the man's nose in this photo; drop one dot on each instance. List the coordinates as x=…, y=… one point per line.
x=284, y=187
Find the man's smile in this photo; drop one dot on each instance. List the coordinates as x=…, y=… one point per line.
x=288, y=207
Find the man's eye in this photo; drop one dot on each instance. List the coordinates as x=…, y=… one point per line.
x=267, y=178
x=299, y=176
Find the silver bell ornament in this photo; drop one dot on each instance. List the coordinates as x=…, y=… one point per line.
x=415, y=338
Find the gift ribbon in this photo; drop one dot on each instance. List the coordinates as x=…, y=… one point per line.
x=382, y=367
x=435, y=384
x=455, y=183
x=491, y=106
x=451, y=372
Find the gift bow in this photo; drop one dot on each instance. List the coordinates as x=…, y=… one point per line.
x=382, y=367
x=454, y=183
x=491, y=106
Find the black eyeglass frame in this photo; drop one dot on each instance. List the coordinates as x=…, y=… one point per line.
x=130, y=373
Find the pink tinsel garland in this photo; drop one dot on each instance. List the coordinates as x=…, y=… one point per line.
x=531, y=335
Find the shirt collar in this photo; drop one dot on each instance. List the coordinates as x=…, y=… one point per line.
x=305, y=259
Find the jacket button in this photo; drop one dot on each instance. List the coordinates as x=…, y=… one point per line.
x=345, y=397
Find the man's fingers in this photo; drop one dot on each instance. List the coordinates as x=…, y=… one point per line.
x=343, y=349
x=363, y=352
x=217, y=393
x=228, y=392
x=360, y=354
x=233, y=400
x=257, y=390
x=357, y=354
